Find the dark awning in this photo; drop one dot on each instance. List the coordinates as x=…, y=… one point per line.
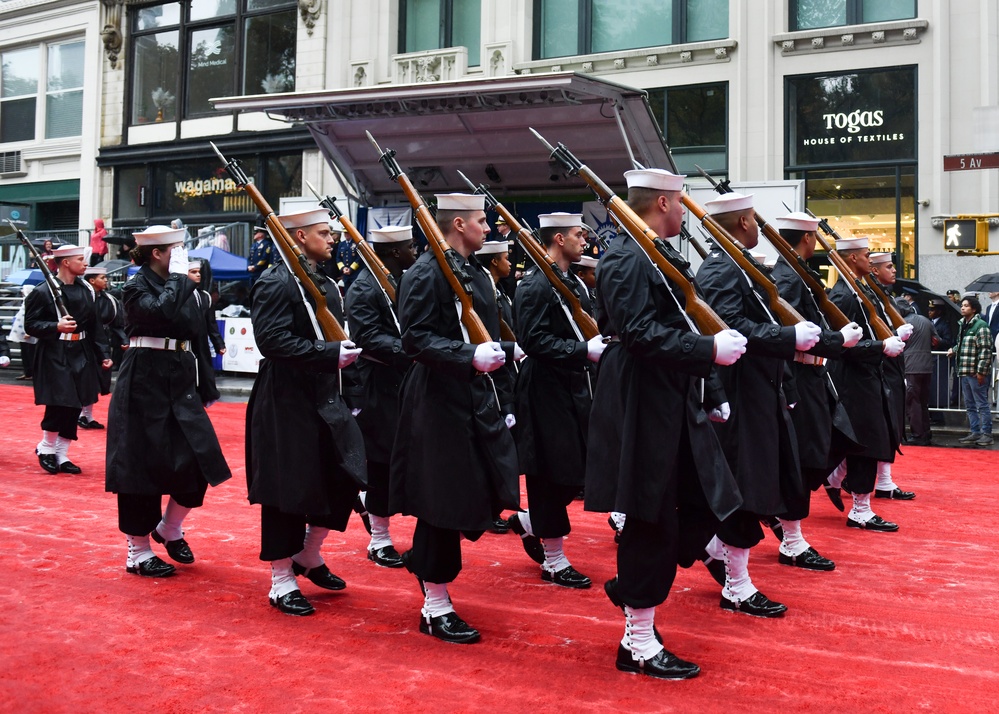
x=470, y=124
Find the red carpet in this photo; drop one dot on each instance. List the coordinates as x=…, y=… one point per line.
x=906, y=622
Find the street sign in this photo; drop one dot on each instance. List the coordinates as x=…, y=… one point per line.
x=971, y=162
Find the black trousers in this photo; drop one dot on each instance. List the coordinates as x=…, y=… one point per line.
x=917, y=404
x=861, y=474
x=547, y=502
x=283, y=534
x=377, y=498
x=28, y=358
x=62, y=420
x=140, y=513
x=436, y=553
x=741, y=530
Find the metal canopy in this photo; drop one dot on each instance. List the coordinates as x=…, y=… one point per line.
x=471, y=125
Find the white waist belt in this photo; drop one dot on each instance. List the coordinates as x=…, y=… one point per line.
x=805, y=358
x=72, y=336
x=160, y=343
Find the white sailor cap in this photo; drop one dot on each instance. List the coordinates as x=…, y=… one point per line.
x=194, y=265
x=587, y=261
x=159, y=235
x=304, y=219
x=798, y=221
x=879, y=258
x=560, y=220
x=656, y=179
x=494, y=247
x=68, y=251
x=391, y=234
x=729, y=203
x=460, y=202
x=851, y=243
x=95, y=270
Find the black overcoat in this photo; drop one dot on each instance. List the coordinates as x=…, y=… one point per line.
x=160, y=439
x=821, y=424
x=758, y=438
x=649, y=396
x=859, y=379
x=65, y=371
x=382, y=365
x=553, y=388
x=304, y=450
x=112, y=317
x=454, y=462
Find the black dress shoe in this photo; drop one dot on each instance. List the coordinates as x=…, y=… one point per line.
x=758, y=605
x=49, y=463
x=178, y=549
x=610, y=587
x=360, y=510
x=617, y=531
x=773, y=523
x=499, y=526
x=716, y=568
x=320, y=576
x=450, y=628
x=567, y=577
x=89, y=423
x=896, y=493
x=664, y=665
x=68, y=467
x=836, y=496
x=532, y=546
x=809, y=560
x=875, y=524
x=152, y=568
x=387, y=557
x=294, y=603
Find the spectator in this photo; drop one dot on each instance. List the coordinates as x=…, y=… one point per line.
x=991, y=315
x=261, y=253
x=918, y=367
x=98, y=248
x=954, y=296
x=973, y=365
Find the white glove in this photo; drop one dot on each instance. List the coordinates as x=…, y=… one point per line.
x=721, y=413
x=595, y=347
x=730, y=345
x=792, y=406
x=904, y=332
x=851, y=334
x=806, y=335
x=5, y=361
x=178, y=260
x=511, y=421
x=893, y=347
x=488, y=357
x=349, y=352
x=518, y=354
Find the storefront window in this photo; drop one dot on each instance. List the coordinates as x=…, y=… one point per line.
x=42, y=87
x=199, y=57
x=813, y=14
x=578, y=27
x=695, y=125
x=436, y=24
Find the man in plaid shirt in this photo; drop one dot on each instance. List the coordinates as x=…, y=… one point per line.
x=974, y=363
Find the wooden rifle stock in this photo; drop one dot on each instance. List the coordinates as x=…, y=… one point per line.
x=890, y=310
x=447, y=257
x=367, y=253
x=294, y=258
x=837, y=320
x=878, y=326
x=532, y=246
x=707, y=320
x=42, y=266
x=781, y=308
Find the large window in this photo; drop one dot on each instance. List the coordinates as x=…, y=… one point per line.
x=813, y=14
x=579, y=27
x=209, y=48
x=436, y=24
x=695, y=125
x=41, y=92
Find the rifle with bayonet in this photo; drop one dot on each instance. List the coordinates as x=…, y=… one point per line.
x=364, y=249
x=50, y=279
x=448, y=258
x=294, y=258
x=565, y=285
x=878, y=326
x=668, y=262
x=811, y=279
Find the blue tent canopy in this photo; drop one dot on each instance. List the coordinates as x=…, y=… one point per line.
x=225, y=265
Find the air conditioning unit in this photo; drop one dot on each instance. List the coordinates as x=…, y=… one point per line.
x=10, y=164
